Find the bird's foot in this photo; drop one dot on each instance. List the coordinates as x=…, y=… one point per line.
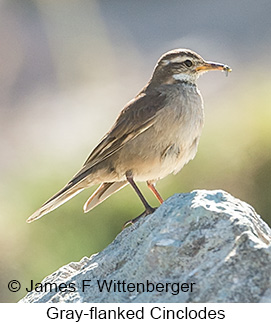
x=148, y=211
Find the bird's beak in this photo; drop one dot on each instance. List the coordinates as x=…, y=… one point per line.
x=211, y=66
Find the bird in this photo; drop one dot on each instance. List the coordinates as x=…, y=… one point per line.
x=155, y=134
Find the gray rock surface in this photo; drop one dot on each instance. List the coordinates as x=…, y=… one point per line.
x=204, y=246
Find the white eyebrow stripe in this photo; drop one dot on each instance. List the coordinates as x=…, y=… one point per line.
x=177, y=60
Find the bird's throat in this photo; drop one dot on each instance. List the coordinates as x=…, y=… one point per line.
x=182, y=77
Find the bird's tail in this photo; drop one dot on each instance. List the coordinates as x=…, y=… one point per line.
x=69, y=191
x=102, y=193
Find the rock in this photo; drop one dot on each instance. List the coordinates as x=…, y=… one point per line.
x=204, y=246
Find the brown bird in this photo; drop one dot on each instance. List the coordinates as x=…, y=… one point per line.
x=155, y=134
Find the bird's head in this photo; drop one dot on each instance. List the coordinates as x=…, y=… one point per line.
x=183, y=65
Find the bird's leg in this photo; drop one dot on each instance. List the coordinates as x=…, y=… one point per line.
x=148, y=208
x=155, y=192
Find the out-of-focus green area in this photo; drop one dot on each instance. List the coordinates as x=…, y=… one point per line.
x=68, y=67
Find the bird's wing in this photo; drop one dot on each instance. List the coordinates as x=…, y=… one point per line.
x=135, y=118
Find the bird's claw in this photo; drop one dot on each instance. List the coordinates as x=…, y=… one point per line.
x=133, y=221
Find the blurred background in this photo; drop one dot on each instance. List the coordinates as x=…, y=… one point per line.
x=66, y=70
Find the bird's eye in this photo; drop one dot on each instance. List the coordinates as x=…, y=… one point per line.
x=188, y=63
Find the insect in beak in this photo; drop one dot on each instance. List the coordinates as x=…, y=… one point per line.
x=227, y=70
